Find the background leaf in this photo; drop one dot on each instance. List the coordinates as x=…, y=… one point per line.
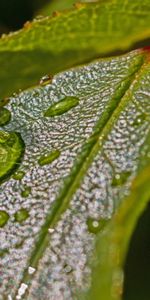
x=53, y=44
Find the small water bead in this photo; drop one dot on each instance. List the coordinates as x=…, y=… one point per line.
x=62, y=106
x=46, y=80
x=94, y=225
x=3, y=252
x=140, y=118
x=51, y=230
x=120, y=179
x=31, y=270
x=26, y=192
x=21, y=215
x=68, y=269
x=5, y=116
x=4, y=217
x=11, y=152
x=19, y=175
x=49, y=158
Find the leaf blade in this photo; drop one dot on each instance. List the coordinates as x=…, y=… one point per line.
x=104, y=83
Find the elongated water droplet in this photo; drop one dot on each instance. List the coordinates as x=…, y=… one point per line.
x=94, y=225
x=5, y=116
x=21, y=291
x=18, y=175
x=21, y=215
x=49, y=158
x=62, y=106
x=26, y=192
x=11, y=152
x=46, y=80
x=4, y=217
x=121, y=178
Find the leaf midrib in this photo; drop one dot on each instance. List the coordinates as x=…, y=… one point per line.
x=81, y=166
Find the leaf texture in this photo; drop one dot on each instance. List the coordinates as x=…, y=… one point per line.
x=102, y=145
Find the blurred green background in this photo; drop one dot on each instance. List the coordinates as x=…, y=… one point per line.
x=13, y=14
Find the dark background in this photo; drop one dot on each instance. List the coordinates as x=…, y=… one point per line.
x=13, y=14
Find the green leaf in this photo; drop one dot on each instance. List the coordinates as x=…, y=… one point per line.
x=56, y=5
x=95, y=153
x=112, y=245
x=53, y=44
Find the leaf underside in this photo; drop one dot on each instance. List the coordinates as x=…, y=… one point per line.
x=69, y=38
x=104, y=146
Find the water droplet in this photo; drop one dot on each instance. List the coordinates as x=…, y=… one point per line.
x=21, y=215
x=26, y=192
x=4, y=217
x=18, y=175
x=121, y=178
x=51, y=230
x=139, y=119
x=68, y=269
x=3, y=252
x=46, y=80
x=31, y=270
x=94, y=225
x=19, y=244
x=5, y=116
x=21, y=291
x=11, y=152
x=49, y=158
x=62, y=106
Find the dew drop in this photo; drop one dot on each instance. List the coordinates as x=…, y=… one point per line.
x=46, y=80
x=21, y=291
x=21, y=215
x=94, y=225
x=26, y=192
x=67, y=269
x=120, y=179
x=51, y=230
x=139, y=119
x=31, y=270
x=4, y=217
x=11, y=152
x=18, y=175
x=62, y=106
x=3, y=252
x=5, y=116
x=49, y=158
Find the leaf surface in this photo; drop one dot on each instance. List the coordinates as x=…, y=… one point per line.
x=76, y=173
x=54, y=44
